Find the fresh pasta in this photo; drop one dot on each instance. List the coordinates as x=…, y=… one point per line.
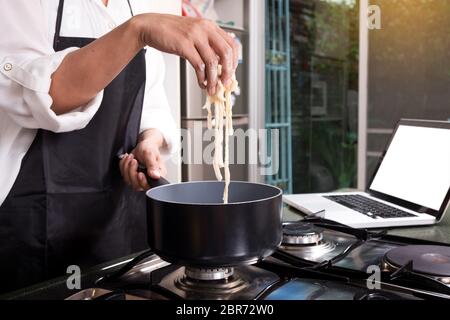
x=222, y=121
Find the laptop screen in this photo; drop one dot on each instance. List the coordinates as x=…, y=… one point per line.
x=416, y=166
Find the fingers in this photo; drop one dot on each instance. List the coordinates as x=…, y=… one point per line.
x=128, y=167
x=211, y=62
x=137, y=180
x=133, y=174
x=199, y=66
x=143, y=181
x=225, y=53
x=205, y=48
x=236, y=49
x=232, y=55
x=220, y=49
x=122, y=163
x=153, y=166
x=127, y=164
x=155, y=170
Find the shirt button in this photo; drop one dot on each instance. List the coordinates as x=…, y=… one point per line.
x=7, y=67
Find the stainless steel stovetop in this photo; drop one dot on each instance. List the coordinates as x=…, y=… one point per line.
x=318, y=260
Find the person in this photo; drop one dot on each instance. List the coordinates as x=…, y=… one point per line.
x=81, y=84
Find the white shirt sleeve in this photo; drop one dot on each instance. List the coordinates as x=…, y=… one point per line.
x=156, y=112
x=27, y=62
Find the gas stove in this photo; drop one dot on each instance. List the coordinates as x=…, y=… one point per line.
x=317, y=260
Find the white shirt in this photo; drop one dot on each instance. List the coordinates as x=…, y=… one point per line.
x=27, y=61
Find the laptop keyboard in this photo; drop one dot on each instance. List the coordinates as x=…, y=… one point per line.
x=369, y=207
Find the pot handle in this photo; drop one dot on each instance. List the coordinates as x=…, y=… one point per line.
x=153, y=183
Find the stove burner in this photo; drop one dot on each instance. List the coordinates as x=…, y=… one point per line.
x=246, y=283
x=431, y=260
x=301, y=233
x=310, y=252
x=209, y=274
x=211, y=281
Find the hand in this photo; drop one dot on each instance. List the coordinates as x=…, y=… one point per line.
x=200, y=41
x=147, y=152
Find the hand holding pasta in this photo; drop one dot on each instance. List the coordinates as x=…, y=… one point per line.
x=222, y=111
x=202, y=42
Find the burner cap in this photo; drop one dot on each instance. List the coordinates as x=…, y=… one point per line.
x=301, y=233
x=206, y=274
x=210, y=282
x=432, y=260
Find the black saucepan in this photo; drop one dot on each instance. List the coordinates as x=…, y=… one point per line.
x=188, y=224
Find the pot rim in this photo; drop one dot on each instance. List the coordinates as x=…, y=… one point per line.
x=279, y=193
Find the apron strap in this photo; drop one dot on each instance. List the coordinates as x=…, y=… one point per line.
x=59, y=21
x=131, y=9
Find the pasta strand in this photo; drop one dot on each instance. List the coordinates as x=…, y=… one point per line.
x=223, y=125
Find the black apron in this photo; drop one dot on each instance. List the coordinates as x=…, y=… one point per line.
x=69, y=204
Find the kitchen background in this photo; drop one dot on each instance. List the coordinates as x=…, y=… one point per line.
x=334, y=88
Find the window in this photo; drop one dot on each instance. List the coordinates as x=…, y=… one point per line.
x=324, y=41
x=408, y=71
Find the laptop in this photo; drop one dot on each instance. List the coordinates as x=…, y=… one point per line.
x=411, y=185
